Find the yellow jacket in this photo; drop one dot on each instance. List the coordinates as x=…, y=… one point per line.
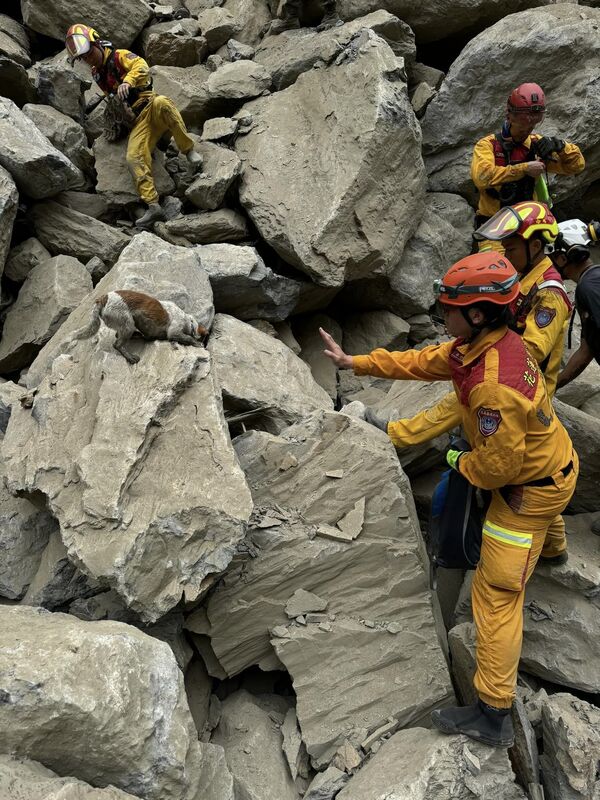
x=543, y=321
x=486, y=174
x=505, y=410
x=123, y=66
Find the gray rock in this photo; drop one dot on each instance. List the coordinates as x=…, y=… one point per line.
x=306, y=333
x=115, y=182
x=186, y=86
x=219, y=128
x=118, y=21
x=364, y=332
x=23, y=258
x=584, y=433
x=37, y=167
x=60, y=86
x=174, y=44
x=10, y=48
x=20, y=778
x=541, y=46
x=423, y=73
x=217, y=26
x=209, y=227
x=108, y=488
x=244, y=287
x=50, y=292
x=65, y=230
x=419, y=764
x=252, y=745
x=293, y=52
x=198, y=688
x=302, y=602
x=238, y=80
x=10, y=394
x=14, y=82
x=24, y=532
x=442, y=237
x=13, y=29
x=421, y=97
x=250, y=16
x=524, y=753
x=330, y=226
x=220, y=168
x=46, y=657
x=571, y=732
x=65, y=134
x=9, y=200
x=326, y=785
x=461, y=641
x=259, y=373
x=238, y=50
x=57, y=581
x=216, y=782
x=92, y=205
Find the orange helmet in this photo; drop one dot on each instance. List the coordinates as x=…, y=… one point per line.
x=486, y=276
x=79, y=39
x=528, y=98
x=523, y=219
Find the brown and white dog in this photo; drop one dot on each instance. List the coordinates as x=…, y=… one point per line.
x=128, y=312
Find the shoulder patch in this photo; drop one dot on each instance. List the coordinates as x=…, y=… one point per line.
x=489, y=420
x=130, y=55
x=544, y=316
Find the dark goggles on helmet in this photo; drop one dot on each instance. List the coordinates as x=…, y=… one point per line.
x=494, y=287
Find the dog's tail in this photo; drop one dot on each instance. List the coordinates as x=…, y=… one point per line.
x=94, y=324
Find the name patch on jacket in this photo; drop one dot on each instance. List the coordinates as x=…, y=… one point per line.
x=544, y=316
x=489, y=420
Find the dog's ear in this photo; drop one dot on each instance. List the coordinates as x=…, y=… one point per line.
x=201, y=331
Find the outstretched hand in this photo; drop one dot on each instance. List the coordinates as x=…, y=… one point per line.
x=123, y=91
x=334, y=351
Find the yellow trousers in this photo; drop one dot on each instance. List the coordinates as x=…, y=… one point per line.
x=520, y=526
x=159, y=116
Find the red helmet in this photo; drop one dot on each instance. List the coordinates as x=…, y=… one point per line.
x=528, y=98
x=483, y=276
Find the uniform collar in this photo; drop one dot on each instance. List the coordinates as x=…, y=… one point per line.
x=534, y=275
x=471, y=352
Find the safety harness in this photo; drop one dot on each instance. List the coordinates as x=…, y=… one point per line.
x=506, y=153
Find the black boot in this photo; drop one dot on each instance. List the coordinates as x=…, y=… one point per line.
x=555, y=561
x=479, y=721
x=152, y=215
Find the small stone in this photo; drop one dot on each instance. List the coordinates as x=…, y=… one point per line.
x=312, y=618
x=472, y=762
x=301, y=620
x=346, y=758
x=287, y=462
x=268, y=522
x=352, y=522
x=335, y=473
x=368, y=623
x=281, y=632
x=394, y=627
x=370, y=741
x=219, y=128
x=303, y=602
x=329, y=532
x=325, y=626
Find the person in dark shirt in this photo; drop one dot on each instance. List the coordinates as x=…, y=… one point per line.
x=571, y=257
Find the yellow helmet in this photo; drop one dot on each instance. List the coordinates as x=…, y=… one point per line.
x=523, y=219
x=79, y=39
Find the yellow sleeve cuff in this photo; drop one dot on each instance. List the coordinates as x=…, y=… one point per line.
x=361, y=365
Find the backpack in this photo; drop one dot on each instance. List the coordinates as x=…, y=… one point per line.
x=455, y=524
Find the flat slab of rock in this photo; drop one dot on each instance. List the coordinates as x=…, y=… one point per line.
x=245, y=287
x=331, y=226
x=420, y=764
x=210, y=227
x=64, y=230
x=259, y=373
x=50, y=292
x=175, y=43
x=119, y=21
x=46, y=657
x=252, y=744
x=9, y=200
x=293, y=52
x=89, y=400
x=37, y=167
x=20, y=778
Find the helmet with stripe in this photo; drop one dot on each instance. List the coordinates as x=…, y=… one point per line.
x=79, y=40
x=523, y=219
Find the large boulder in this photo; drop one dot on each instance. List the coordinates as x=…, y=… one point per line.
x=251, y=17
x=174, y=44
x=244, y=286
x=442, y=237
x=293, y=52
x=116, y=20
x=555, y=46
x=14, y=82
x=261, y=374
x=119, y=432
x=14, y=41
x=20, y=778
x=117, y=680
x=63, y=132
x=23, y=258
x=420, y=764
x=61, y=86
x=208, y=227
x=9, y=200
x=65, y=230
x=437, y=19
x=50, y=292
x=220, y=168
x=585, y=435
x=345, y=138
x=38, y=168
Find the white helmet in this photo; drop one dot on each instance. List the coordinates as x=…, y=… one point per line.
x=573, y=233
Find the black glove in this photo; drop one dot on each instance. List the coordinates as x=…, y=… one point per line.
x=374, y=419
x=547, y=145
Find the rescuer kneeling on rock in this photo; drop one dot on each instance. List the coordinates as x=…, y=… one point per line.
x=125, y=75
x=520, y=451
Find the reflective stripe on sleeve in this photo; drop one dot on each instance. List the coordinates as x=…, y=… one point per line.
x=514, y=538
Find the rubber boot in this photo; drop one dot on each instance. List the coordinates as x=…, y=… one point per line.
x=479, y=721
x=194, y=159
x=153, y=214
x=555, y=561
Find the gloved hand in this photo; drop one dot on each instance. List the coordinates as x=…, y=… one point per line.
x=453, y=457
x=375, y=419
x=547, y=145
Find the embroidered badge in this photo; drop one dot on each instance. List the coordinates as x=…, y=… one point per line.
x=544, y=316
x=543, y=418
x=131, y=56
x=489, y=421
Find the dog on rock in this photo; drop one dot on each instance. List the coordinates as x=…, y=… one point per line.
x=128, y=312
